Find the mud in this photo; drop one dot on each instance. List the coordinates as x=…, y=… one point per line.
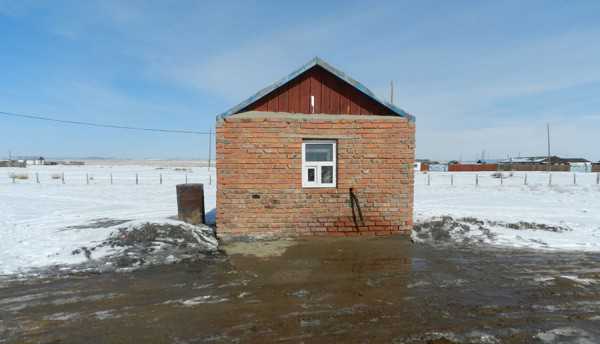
x=346, y=290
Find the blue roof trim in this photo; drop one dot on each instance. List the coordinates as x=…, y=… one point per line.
x=316, y=61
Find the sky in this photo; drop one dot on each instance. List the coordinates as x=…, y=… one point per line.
x=478, y=75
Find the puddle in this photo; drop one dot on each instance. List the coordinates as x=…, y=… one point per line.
x=319, y=290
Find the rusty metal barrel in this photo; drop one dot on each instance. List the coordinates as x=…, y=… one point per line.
x=190, y=203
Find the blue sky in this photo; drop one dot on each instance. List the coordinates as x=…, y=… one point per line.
x=477, y=75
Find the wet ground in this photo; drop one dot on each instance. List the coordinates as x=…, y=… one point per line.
x=325, y=290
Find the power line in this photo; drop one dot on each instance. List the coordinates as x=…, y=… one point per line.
x=99, y=125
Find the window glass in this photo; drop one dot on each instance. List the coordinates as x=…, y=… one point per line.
x=319, y=152
x=327, y=174
x=311, y=174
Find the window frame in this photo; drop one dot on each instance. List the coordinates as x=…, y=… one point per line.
x=317, y=165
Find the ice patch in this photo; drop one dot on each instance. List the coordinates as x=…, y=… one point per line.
x=566, y=335
x=584, y=281
x=62, y=316
x=204, y=299
x=543, y=279
x=107, y=314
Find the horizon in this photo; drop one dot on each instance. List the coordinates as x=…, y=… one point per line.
x=483, y=76
x=109, y=158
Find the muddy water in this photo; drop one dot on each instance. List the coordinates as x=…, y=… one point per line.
x=326, y=290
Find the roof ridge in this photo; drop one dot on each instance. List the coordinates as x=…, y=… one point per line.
x=315, y=61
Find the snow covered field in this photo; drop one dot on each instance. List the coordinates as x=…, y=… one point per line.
x=509, y=207
x=43, y=223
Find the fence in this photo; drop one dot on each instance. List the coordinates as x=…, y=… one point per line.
x=208, y=177
x=108, y=178
x=507, y=179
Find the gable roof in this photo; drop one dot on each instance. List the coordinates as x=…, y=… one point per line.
x=316, y=61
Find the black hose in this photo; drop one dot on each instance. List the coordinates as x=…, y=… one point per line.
x=354, y=202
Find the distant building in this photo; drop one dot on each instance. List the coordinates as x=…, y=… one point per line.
x=581, y=166
x=437, y=167
x=554, y=160
x=544, y=163
x=13, y=163
x=72, y=163
x=35, y=161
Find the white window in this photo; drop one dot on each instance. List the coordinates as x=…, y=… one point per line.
x=318, y=164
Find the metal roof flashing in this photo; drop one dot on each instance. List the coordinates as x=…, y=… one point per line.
x=316, y=61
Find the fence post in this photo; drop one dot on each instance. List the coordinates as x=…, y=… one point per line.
x=87, y=178
x=137, y=180
x=597, y=178
x=13, y=178
x=525, y=182
x=452, y=179
x=111, y=179
x=161, y=179
x=428, y=179
x=37, y=177
x=62, y=177
x=501, y=179
x=186, y=178
x=550, y=179
x=574, y=179
x=476, y=180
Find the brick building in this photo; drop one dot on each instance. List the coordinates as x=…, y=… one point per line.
x=314, y=154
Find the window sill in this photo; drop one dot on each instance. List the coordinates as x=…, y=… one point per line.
x=319, y=186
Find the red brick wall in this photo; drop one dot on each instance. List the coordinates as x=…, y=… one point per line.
x=259, y=179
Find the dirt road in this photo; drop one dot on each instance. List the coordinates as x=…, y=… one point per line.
x=327, y=290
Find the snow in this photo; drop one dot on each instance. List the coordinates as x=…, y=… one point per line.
x=576, y=207
x=42, y=223
x=35, y=219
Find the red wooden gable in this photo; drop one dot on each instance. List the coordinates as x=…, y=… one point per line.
x=331, y=95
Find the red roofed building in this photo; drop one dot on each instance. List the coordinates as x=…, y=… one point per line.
x=315, y=154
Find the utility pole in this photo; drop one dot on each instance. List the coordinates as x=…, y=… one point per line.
x=549, y=158
x=392, y=92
